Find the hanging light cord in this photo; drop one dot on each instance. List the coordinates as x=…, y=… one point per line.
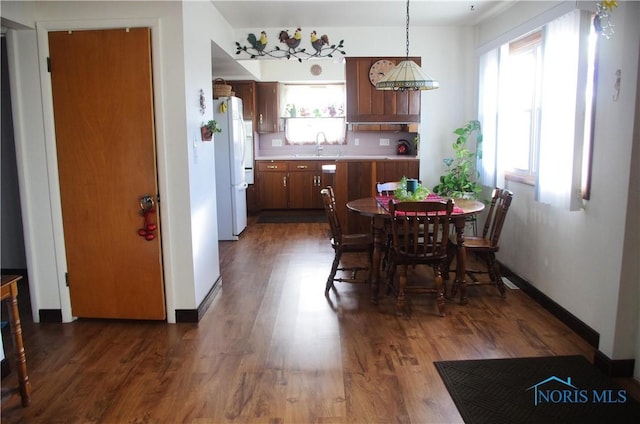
x=407, y=29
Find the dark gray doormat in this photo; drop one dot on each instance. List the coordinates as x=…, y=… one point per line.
x=555, y=389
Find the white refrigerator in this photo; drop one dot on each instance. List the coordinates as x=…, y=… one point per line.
x=231, y=186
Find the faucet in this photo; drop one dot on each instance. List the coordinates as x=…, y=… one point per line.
x=318, y=147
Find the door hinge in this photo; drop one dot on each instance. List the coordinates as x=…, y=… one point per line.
x=49, y=64
x=66, y=278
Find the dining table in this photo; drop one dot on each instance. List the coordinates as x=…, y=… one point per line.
x=377, y=209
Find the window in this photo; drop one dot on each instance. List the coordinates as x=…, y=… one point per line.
x=535, y=106
x=313, y=113
x=522, y=109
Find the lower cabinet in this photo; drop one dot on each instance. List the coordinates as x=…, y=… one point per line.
x=272, y=185
x=290, y=184
x=296, y=184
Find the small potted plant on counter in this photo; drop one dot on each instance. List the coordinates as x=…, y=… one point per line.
x=207, y=130
x=460, y=179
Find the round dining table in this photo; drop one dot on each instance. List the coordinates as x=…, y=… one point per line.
x=372, y=207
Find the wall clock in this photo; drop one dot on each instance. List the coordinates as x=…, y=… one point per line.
x=379, y=69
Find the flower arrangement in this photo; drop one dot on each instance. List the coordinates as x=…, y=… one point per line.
x=402, y=194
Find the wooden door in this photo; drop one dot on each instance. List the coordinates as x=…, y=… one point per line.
x=366, y=104
x=267, y=108
x=247, y=92
x=273, y=189
x=303, y=186
x=105, y=140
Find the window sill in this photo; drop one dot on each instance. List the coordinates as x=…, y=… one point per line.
x=519, y=178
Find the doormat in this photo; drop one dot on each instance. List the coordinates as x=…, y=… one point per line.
x=555, y=389
x=291, y=218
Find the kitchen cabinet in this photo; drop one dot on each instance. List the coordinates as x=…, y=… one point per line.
x=292, y=184
x=305, y=181
x=246, y=90
x=355, y=179
x=267, y=107
x=271, y=178
x=366, y=104
x=253, y=201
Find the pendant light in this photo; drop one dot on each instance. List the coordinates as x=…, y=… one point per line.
x=407, y=75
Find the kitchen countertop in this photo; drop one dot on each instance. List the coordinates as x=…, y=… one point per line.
x=335, y=158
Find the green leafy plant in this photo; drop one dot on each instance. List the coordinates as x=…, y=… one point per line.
x=213, y=126
x=403, y=195
x=460, y=179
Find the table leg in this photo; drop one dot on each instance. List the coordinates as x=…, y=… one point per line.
x=21, y=359
x=378, y=241
x=461, y=262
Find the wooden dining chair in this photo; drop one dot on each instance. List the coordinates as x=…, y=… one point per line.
x=388, y=188
x=410, y=222
x=485, y=246
x=345, y=243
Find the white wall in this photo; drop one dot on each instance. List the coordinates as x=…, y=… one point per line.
x=188, y=275
x=198, y=33
x=576, y=258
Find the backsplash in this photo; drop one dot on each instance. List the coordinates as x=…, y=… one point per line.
x=359, y=143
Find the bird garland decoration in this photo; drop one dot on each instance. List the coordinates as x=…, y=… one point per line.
x=321, y=47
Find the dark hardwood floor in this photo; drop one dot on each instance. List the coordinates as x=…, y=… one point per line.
x=273, y=349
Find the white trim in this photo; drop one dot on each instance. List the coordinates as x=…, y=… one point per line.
x=42, y=30
x=27, y=208
x=528, y=26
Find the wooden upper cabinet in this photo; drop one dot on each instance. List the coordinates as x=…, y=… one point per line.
x=246, y=90
x=366, y=104
x=267, y=107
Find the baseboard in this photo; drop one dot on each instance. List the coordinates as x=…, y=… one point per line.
x=583, y=330
x=613, y=367
x=15, y=271
x=50, y=315
x=194, y=315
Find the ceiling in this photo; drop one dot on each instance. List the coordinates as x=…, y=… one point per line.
x=287, y=14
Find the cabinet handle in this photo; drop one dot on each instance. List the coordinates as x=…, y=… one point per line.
x=302, y=167
x=272, y=166
x=284, y=181
x=260, y=118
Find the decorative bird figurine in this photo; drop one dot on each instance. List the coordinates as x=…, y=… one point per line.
x=317, y=43
x=258, y=44
x=291, y=42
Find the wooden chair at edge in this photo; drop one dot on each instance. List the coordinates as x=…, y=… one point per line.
x=487, y=245
x=410, y=222
x=387, y=189
x=345, y=243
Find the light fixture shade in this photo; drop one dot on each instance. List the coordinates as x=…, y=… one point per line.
x=407, y=76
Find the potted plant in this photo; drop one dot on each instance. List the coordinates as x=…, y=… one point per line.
x=207, y=130
x=460, y=180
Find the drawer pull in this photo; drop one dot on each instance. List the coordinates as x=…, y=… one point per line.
x=302, y=167
x=272, y=166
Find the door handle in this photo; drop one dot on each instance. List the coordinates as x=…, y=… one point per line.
x=146, y=202
x=147, y=205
